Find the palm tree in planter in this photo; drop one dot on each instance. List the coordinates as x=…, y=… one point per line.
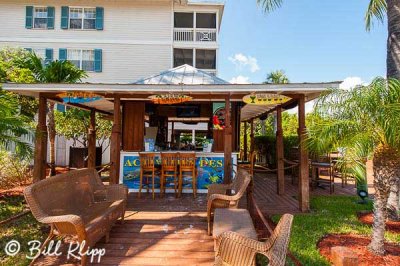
x=53, y=72
x=365, y=123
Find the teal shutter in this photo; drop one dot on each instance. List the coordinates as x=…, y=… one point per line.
x=98, y=58
x=49, y=56
x=62, y=54
x=50, y=17
x=29, y=50
x=99, y=18
x=60, y=107
x=64, y=17
x=29, y=17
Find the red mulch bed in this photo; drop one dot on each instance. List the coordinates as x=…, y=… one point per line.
x=358, y=244
x=368, y=218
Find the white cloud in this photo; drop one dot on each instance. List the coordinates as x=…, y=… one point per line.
x=240, y=80
x=241, y=61
x=350, y=83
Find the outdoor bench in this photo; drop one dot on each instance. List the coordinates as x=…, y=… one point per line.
x=77, y=203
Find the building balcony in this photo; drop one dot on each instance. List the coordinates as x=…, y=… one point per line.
x=195, y=35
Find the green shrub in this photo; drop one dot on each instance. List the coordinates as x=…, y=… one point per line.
x=267, y=145
x=13, y=171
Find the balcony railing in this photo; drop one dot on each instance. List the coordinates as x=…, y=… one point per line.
x=195, y=35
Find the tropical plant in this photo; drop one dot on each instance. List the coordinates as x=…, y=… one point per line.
x=277, y=77
x=73, y=124
x=53, y=72
x=14, y=171
x=15, y=132
x=364, y=122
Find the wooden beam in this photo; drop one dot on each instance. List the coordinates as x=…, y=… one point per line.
x=304, y=193
x=40, y=155
x=227, y=142
x=251, y=135
x=280, y=153
x=92, y=140
x=245, y=141
x=115, y=152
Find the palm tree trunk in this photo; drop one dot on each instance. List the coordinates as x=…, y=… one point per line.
x=393, y=42
x=386, y=169
x=51, y=127
x=393, y=71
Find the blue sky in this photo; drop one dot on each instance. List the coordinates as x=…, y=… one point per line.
x=312, y=40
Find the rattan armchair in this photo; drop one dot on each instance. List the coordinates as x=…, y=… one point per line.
x=218, y=194
x=237, y=250
x=77, y=203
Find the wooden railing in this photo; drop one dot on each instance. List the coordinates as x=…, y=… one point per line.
x=195, y=35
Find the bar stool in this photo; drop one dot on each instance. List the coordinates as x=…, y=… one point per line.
x=187, y=169
x=147, y=170
x=169, y=168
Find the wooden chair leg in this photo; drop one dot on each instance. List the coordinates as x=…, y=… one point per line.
x=180, y=185
x=140, y=184
x=152, y=188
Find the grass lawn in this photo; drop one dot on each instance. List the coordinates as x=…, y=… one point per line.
x=329, y=215
x=23, y=230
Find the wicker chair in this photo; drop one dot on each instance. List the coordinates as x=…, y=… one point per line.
x=77, y=203
x=218, y=194
x=235, y=249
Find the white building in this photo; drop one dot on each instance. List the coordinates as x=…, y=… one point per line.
x=117, y=41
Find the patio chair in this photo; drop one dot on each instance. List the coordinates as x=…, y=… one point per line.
x=226, y=195
x=235, y=249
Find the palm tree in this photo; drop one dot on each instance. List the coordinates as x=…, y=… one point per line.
x=277, y=77
x=365, y=123
x=53, y=72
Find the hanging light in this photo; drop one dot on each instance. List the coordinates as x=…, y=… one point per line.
x=79, y=97
x=265, y=99
x=169, y=98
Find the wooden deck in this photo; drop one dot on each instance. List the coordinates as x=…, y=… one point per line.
x=171, y=231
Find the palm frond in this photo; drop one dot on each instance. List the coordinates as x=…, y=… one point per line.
x=269, y=5
x=376, y=9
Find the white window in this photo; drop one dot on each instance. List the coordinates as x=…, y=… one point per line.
x=40, y=18
x=82, y=18
x=83, y=59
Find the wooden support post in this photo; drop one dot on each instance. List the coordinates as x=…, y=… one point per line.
x=92, y=140
x=251, y=135
x=280, y=153
x=245, y=142
x=116, y=142
x=172, y=133
x=40, y=156
x=304, y=193
x=227, y=142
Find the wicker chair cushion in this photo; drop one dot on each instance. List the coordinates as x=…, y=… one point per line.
x=236, y=220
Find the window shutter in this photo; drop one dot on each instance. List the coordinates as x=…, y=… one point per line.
x=62, y=54
x=98, y=58
x=99, y=18
x=28, y=49
x=60, y=107
x=64, y=17
x=49, y=55
x=29, y=17
x=50, y=17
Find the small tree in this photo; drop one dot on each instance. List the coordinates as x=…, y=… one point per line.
x=73, y=124
x=365, y=123
x=53, y=72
